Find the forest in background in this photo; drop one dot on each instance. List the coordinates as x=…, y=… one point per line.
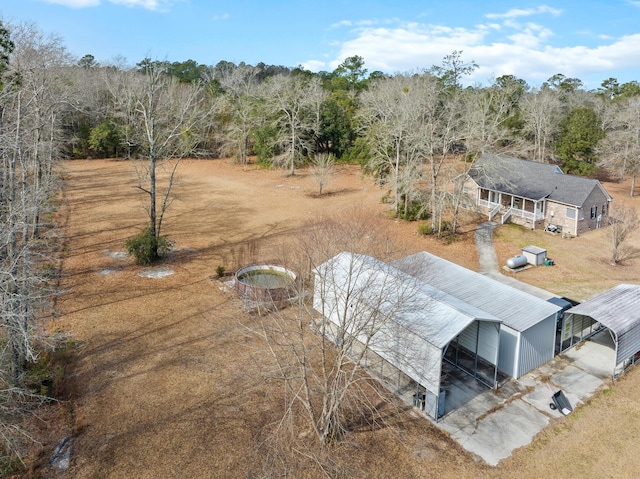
x=400, y=128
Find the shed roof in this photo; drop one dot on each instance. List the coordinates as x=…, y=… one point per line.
x=619, y=310
x=532, y=180
x=517, y=309
x=431, y=314
x=534, y=249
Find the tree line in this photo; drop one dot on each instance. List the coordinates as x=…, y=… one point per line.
x=401, y=128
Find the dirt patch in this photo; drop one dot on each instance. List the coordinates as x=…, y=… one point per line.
x=168, y=380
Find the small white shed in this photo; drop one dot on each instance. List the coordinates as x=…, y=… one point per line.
x=535, y=255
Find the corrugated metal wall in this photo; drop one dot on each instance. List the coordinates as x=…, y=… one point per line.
x=537, y=345
x=487, y=343
x=507, y=357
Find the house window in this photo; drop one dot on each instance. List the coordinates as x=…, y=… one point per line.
x=594, y=212
x=604, y=209
x=571, y=213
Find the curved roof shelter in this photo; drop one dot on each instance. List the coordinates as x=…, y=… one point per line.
x=618, y=310
x=408, y=323
x=528, y=322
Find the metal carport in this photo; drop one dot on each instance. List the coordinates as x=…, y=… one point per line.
x=424, y=324
x=618, y=310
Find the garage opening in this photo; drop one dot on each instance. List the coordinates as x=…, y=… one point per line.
x=616, y=310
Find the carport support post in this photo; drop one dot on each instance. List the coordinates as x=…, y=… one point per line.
x=614, y=336
x=475, y=365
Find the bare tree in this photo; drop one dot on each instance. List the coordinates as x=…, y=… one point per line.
x=619, y=150
x=319, y=346
x=294, y=102
x=241, y=89
x=540, y=111
x=39, y=63
x=322, y=170
x=624, y=221
x=31, y=104
x=161, y=119
x=390, y=117
x=30, y=109
x=411, y=121
x=485, y=111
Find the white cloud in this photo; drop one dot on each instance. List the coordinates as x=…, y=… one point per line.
x=75, y=3
x=522, y=12
x=342, y=23
x=314, y=65
x=524, y=50
x=147, y=4
x=532, y=36
x=224, y=16
x=359, y=23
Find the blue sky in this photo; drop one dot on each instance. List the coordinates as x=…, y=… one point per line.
x=589, y=39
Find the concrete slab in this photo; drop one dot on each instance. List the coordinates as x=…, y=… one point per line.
x=492, y=424
x=465, y=418
x=576, y=381
x=541, y=398
x=500, y=433
x=595, y=356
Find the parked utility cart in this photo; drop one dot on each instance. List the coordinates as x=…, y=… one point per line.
x=561, y=403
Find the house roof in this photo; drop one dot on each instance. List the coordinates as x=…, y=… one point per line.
x=517, y=309
x=532, y=180
x=619, y=310
x=431, y=314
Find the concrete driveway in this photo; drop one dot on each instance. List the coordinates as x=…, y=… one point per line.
x=492, y=424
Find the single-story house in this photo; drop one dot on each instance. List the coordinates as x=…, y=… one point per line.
x=536, y=195
x=528, y=331
x=618, y=310
x=409, y=328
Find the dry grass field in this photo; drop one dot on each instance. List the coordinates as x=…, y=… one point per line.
x=168, y=377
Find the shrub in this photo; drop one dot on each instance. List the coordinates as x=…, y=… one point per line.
x=220, y=271
x=425, y=229
x=147, y=248
x=413, y=212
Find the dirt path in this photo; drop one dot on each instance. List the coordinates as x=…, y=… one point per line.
x=486, y=251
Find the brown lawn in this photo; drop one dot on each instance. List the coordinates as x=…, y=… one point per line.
x=169, y=381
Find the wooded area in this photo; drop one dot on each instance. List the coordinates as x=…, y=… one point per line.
x=400, y=128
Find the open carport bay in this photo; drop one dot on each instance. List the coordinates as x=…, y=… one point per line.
x=492, y=424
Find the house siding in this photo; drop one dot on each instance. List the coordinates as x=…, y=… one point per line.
x=568, y=201
x=596, y=199
x=557, y=214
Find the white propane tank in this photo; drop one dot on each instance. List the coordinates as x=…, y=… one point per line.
x=517, y=261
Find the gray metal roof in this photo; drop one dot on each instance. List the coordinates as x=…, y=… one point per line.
x=619, y=310
x=534, y=249
x=532, y=180
x=563, y=303
x=433, y=315
x=517, y=309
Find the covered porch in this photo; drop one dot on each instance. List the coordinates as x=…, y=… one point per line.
x=504, y=207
